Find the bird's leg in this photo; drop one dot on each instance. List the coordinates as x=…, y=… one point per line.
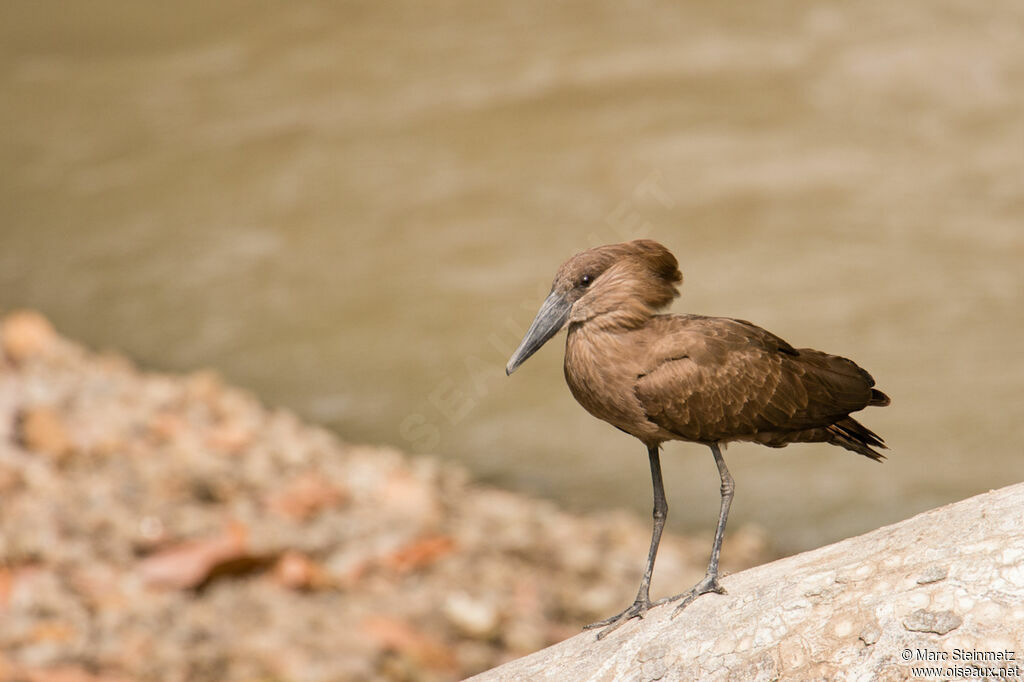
x=710, y=582
x=643, y=599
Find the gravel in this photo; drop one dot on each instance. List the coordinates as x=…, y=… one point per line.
x=161, y=527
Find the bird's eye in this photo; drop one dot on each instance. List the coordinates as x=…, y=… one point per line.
x=585, y=280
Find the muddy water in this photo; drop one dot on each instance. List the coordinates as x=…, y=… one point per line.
x=354, y=209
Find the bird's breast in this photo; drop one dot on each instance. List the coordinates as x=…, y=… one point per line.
x=601, y=369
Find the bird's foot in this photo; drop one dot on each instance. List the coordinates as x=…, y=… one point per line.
x=708, y=584
x=637, y=610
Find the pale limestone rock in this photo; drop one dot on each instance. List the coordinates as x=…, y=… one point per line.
x=943, y=588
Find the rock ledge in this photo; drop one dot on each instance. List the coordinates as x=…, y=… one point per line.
x=942, y=593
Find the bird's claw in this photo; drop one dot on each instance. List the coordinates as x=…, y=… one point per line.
x=641, y=606
x=708, y=584
x=637, y=610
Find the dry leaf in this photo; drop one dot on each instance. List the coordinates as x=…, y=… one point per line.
x=305, y=496
x=397, y=635
x=298, y=571
x=66, y=673
x=419, y=553
x=190, y=563
x=6, y=586
x=26, y=333
x=42, y=429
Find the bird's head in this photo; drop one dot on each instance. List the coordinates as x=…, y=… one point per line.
x=615, y=285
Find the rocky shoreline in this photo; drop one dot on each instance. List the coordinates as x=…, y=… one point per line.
x=164, y=527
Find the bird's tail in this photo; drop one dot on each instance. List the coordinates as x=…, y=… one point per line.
x=852, y=435
x=877, y=398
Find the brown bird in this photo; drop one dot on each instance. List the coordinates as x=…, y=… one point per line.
x=709, y=380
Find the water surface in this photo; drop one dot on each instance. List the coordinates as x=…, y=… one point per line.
x=354, y=209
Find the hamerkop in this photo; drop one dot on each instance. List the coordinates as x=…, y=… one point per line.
x=707, y=380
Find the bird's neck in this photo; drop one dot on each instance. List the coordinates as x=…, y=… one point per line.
x=629, y=315
x=601, y=365
x=600, y=343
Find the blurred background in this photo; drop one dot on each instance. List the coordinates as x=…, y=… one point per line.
x=355, y=208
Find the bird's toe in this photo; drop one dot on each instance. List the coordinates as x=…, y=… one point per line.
x=708, y=584
x=609, y=625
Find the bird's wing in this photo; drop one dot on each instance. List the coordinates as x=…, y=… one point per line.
x=711, y=378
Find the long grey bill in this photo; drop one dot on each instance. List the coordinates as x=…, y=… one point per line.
x=550, y=318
